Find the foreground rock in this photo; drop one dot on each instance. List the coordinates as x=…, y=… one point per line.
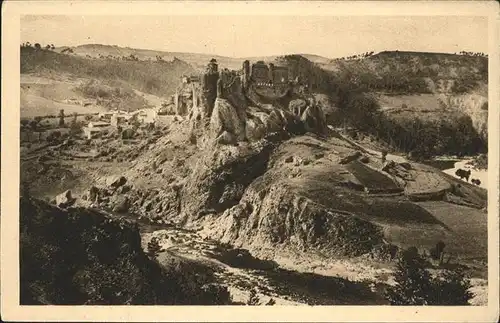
x=115, y=181
x=65, y=199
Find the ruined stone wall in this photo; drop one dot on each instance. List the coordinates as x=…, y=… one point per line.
x=260, y=73
x=246, y=74
x=209, y=87
x=280, y=75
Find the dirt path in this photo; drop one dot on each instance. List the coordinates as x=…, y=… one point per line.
x=290, y=284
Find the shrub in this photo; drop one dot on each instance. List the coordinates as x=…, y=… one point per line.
x=416, y=286
x=253, y=299
x=154, y=248
x=438, y=250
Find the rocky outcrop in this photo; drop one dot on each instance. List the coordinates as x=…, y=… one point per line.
x=272, y=218
x=115, y=181
x=65, y=199
x=310, y=114
x=227, y=120
x=314, y=120
x=221, y=176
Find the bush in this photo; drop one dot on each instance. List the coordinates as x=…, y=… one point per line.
x=53, y=137
x=253, y=299
x=416, y=286
x=154, y=248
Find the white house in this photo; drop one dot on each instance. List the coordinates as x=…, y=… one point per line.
x=95, y=128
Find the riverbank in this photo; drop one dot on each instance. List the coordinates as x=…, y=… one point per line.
x=481, y=174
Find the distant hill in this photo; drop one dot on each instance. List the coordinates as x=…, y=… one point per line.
x=154, y=77
x=197, y=60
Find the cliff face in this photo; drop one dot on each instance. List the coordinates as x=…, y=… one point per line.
x=81, y=256
x=475, y=106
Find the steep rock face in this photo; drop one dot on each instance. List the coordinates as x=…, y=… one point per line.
x=314, y=120
x=475, y=106
x=227, y=118
x=271, y=217
x=81, y=256
x=310, y=114
x=221, y=176
x=307, y=200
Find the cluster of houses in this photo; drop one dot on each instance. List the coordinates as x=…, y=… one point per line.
x=111, y=120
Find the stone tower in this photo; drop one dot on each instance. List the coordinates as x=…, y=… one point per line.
x=246, y=73
x=271, y=73
x=220, y=88
x=209, y=85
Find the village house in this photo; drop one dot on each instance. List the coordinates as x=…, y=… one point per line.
x=120, y=118
x=96, y=128
x=146, y=115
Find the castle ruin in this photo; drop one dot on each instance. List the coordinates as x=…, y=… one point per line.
x=268, y=80
x=262, y=74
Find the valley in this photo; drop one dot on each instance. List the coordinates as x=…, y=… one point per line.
x=300, y=198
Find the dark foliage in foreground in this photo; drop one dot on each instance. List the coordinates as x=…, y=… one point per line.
x=81, y=256
x=416, y=286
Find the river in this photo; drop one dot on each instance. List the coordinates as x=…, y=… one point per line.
x=448, y=165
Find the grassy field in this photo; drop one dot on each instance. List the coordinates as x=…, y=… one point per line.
x=467, y=238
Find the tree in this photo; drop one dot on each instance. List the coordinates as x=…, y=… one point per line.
x=253, y=299
x=75, y=126
x=416, y=286
x=61, y=118
x=413, y=281
x=452, y=288
x=154, y=248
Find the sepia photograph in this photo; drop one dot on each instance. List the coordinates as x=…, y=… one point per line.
x=245, y=159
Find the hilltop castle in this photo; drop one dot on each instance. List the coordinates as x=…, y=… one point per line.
x=269, y=81
x=261, y=73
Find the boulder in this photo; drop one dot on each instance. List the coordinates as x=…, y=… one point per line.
x=225, y=117
x=297, y=106
x=121, y=204
x=314, y=120
x=256, y=129
x=349, y=158
x=93, y=193
x=65, y=199
x=226, y=138
x=115, y=181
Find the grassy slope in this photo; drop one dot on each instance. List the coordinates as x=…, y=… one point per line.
x=49, y=78
x=442, y=73
x=159, y=78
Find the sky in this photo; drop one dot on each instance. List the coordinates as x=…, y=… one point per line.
x=246, y=36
